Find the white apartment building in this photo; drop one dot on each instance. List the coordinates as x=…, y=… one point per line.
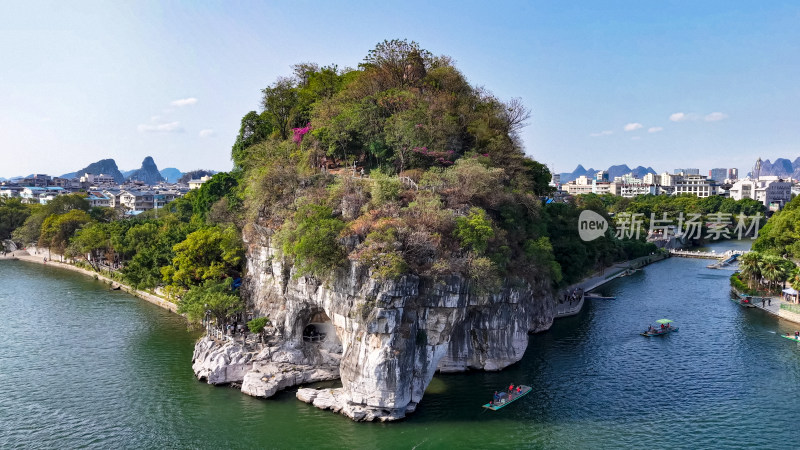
x=668, y=179
x=651, y=178
x=697, y=185
x=97, y=199
x=771, y=191
x=195, y=184
x=585, y=185
x=41, y=195
x=91, y=178
x=633, y=190
x=133, y=200
x=628, y=178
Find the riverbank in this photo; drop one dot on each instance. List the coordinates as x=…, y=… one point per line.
x=24, y=255
x=775, y=306
x=573, y=307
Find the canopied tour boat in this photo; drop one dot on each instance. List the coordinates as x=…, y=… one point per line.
x=665, y=327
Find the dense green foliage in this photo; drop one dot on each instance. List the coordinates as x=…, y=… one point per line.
x=775, y=252
x=765, y=271
x=781, y=234
x=474, y=230
x=673, y=207
x=214, y=297
x=209, y=253
x=311, y=240
x=446, y=188
x=258, y=324
x=184, y=248
x=739, y=285
x=13, y=214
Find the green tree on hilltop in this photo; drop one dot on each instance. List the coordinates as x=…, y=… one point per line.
x=211, y=253
x=214, y=297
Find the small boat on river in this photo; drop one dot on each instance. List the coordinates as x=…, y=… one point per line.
x=504, y=399
x=598, y=297
x=792, y=337
x=746, y=301
x=665, y=327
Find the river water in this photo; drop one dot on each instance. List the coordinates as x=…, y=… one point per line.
x=84, y=366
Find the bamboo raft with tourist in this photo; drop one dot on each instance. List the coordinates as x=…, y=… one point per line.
x=665, y=327
x=792, y=337
x=503, y=399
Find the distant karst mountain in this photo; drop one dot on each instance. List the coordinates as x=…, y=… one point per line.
x=104, y=166
x=171, y=174
x=148, y=173
x=782, y=167
x=613, y=171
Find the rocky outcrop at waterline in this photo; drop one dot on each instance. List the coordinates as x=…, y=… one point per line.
x=383, y=339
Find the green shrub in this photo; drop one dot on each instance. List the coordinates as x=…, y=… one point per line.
x=214, y=297
x=483, y=274
x=313, y=241
x=741, y=286
x=379, y=251
x=258, y=324
x=385, y=188
x=474, y=230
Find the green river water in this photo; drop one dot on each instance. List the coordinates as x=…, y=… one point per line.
x=82, y=366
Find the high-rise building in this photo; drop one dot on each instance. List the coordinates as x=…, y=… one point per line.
x=718, y=175
x=687, y=171
x=733, y=174
x=601, y=175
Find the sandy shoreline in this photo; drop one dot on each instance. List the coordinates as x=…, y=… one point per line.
x=24, y=255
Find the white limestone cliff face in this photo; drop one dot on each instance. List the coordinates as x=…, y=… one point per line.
x=388, y=338
x=219, y=363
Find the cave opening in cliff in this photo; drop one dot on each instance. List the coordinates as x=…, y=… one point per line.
x=318, y=328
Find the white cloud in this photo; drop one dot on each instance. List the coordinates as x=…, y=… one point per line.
x=206, y=133
x=170, y=127
x=716, y=117
x=184, y=101
x=655, y=129
x=678, y=117
x=602, y=133
x=632, y=126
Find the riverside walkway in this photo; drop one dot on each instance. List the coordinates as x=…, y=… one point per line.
x=569, y=307
x=706, y=255
x=776, y=306
x=38, y=257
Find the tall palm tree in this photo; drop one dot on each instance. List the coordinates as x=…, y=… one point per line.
x=771, y=269
x=750, y=267
x=788, y=271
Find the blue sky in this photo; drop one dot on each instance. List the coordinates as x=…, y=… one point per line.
x=90, y=80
